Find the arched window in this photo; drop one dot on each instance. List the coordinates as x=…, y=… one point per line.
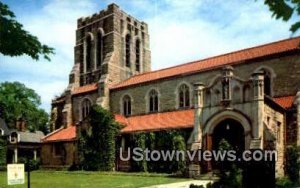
x=127, y=48
x=99, y=49
x=184, y=96
x=153, y=101
x=236, y=97
x=126, y=105
x=246, y=93
x=88, y=59
x=207, y=98
x=267, y=82
x=137, y=55
x=85, y=108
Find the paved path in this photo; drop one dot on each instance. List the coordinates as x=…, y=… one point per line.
x=185, y=184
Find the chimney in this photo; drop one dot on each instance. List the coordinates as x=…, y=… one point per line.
x=21, y=124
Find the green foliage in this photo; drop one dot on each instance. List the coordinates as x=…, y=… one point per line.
x=231, y=175
x=231, y=178
x=98, y=143
x=3, y=151
x=33, y=164
x=284, y=9
x=284, y=182
x=162, y=140
x=15, y=41
x=292, y=164
x=17, y=100
x=139, y=140
x=196, y=186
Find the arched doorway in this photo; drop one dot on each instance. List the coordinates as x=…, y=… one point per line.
x=230, y=130
x=228, y=133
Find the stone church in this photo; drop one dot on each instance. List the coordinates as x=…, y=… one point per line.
x=249, y=97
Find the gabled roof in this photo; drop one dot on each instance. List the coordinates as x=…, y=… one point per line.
x=285, y=102
x=62, y=134
x=158, y=121
x=31, y=137
x=4, y=127
x=214, y=62
x=85, y=89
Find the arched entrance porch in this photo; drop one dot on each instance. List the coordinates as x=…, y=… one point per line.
x=230, y=131
x=229, y=125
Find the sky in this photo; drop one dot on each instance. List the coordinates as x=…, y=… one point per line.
x=191, y=29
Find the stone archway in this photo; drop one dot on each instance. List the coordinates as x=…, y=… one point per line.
x=243, y=127
x=236, y=118
x=232, y=132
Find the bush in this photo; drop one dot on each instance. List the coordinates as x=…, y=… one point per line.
x=33, y=164
x=3, y=150
x=97, y=142
x=292, y=164
x=196, y=186
x=284, y=182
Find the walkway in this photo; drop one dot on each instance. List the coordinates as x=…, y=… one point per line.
x=185, y=184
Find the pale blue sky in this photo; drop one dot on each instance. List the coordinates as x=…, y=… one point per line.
x=191, y=29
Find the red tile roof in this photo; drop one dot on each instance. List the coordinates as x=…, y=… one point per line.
x=62, y=134
x=158, y=121
x=84, y=89
x=285, y=102
x=214, y=62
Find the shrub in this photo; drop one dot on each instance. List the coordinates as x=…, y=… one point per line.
x=196, y=186
x=33, y=164
x=284, y=182
x=3, y=150
x=97, y=143
x=292, y=164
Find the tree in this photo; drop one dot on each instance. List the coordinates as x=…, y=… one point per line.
x=17, y=100
x=15, y=41
x=284, y=9
x=97, y=143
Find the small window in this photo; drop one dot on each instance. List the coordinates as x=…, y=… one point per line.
x=153, y=101
x=99, y=49
x=127, y=46
x=126, y=105
x=85, y=108
x=14, y=138
x=137, y=55
x=184, y=96
x=88, y=51
x=267, y=82
x=278, y=132
x=58, y=149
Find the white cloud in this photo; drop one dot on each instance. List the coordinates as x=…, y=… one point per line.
x=180, y=31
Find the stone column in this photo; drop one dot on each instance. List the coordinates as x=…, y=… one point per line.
x=34, y=154
x=196, y=139
x=297, y=103
x=198, y=104
x=15, y=155
x=258, y=110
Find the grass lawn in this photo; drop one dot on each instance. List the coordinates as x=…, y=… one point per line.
x=63, y=179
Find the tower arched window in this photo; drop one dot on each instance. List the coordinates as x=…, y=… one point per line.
x=85, y=108
x=267, y=82
x=127, y=50
x=88, y=59
x=126, y=105
x=153, y=101
x=137, y=55
x=99, y=49
x=184, y=96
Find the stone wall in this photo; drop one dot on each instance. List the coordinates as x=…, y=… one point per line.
x=76, y=104
x=283, y=69
x=48, y=158
x=275, y=124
